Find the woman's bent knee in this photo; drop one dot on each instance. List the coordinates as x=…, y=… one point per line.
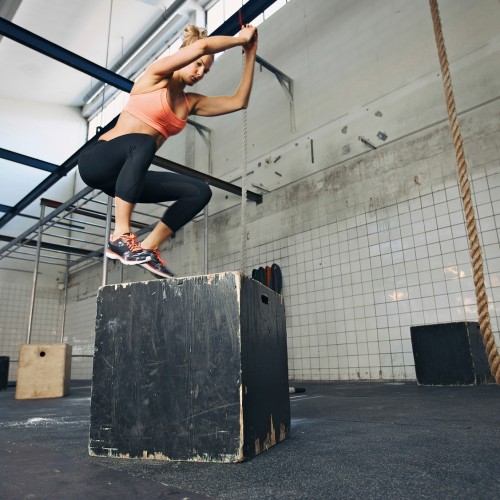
x=205, y=192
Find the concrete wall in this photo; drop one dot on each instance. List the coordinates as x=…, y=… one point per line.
x=370, y=241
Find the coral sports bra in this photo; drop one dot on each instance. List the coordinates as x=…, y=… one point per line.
x=152, y=108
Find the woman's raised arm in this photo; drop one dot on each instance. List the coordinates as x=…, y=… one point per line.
x=202, y=105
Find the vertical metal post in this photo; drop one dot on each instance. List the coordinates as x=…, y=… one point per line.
x=35, y=273
x=63, y=322
x=205, y=240
x=106, y=239
x=205, y=211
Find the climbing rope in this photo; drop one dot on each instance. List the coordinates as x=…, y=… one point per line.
x=244, y=216
x=463, y=177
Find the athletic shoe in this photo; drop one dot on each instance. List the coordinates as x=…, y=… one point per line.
x=157, y=265
x=127, y=250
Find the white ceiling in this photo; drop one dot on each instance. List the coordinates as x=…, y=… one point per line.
x=81, y=26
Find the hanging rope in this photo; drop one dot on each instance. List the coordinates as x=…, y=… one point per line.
x=244, y=216
x=472, y=233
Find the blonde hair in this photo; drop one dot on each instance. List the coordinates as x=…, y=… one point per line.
x=191, y=34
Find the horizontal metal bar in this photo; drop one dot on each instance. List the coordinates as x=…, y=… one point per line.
x=46, y=219
x=27, y=160
x=47, y=245
x=35, y=42
x=213, y=181
x=45, y=255
x=71, y=238
x=88, y=213
x=65, y=225
x=42, y=261
x=249, y=12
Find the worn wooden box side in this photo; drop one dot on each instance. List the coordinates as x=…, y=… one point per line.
x=167, y=370
x=266, y=400
x=44, y=371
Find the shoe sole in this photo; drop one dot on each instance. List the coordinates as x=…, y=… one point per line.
x=115, y=256
x=155, y=272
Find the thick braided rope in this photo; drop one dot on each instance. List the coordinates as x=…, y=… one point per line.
x=244, y=216
x=472, y=234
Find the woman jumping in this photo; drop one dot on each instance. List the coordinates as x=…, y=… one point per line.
x=158, y=108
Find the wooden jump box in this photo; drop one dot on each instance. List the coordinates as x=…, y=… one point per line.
x=44, y=371
x=189, y=369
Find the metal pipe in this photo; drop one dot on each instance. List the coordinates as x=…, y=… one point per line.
x=41, y=261
x=33, y=228
x=213, y=181
x=205, y=240
x=64, y=252
x=27, y=160
x=70, y=238
x=58, y=53
x=35, y=275
x=63, y=320
x=106, y=239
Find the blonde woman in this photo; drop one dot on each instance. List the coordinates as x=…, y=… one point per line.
x=158, y=107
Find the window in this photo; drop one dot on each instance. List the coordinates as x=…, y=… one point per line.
x=222, y=10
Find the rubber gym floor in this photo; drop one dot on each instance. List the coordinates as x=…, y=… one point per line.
x=348, y=440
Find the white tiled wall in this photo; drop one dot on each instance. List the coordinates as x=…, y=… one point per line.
x=361, y=267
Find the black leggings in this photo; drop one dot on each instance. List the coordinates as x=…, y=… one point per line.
x=120, y=168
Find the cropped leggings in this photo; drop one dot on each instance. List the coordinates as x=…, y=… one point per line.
x=119, y=167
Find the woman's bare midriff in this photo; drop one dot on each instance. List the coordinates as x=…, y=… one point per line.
x=128, y=124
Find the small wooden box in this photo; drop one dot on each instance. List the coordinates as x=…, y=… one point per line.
x=44, y=371
x=189, y=369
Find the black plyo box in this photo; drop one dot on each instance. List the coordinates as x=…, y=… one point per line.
x=4, y=372
x=449, y=354
x=189, y=369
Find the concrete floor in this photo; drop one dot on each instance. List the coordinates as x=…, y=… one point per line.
x=348, y=440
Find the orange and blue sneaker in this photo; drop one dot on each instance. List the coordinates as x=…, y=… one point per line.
x=157, y=265
x=127, y=250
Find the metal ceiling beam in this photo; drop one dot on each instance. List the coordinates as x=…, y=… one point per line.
x=249, y=12
x=87, y=212
x=35, y=42
x=27, y=160
x=8, y=10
